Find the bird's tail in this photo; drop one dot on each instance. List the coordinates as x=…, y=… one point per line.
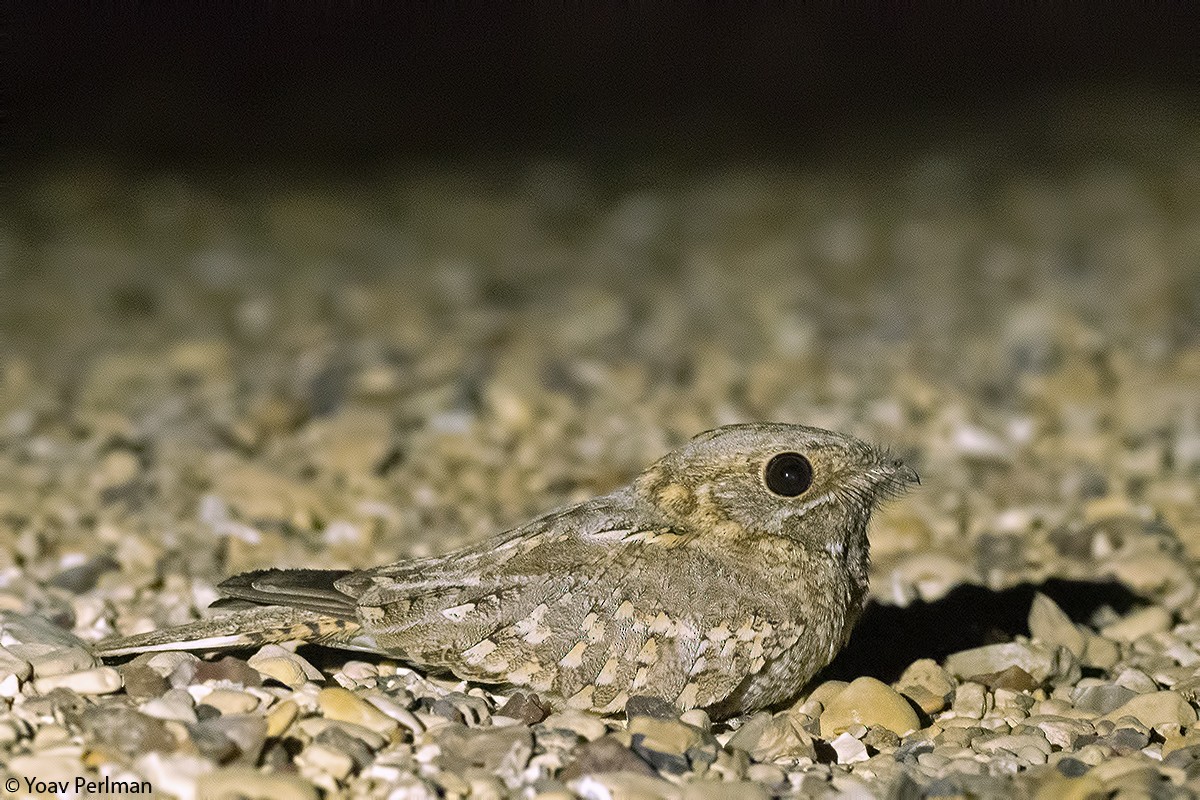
x=248, y=627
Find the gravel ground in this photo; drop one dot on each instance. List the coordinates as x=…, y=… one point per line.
x=202, y=375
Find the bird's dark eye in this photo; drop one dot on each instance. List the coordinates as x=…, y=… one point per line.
x=788, y=474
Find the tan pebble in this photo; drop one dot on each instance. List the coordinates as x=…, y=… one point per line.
x=231, y=701
x=253, y=785
x=321, y=759
x=397, y=712
x=284, y=670
x=1057, y=787
x=970, y=700
x=586, y=725
x=868, y=701
x=664, y=735
x=50, y=736
x=166, y=663
x=11, y=665
x=1113, y=768
x=1152, y=619
x=1100, y=653
x=343, y=705
x=1050, y=625
x=1156, y=709
x=315, y=726
x=359, y=670
x=697, y=717
x=101, y=680
x=281, y=717
x=826, y=692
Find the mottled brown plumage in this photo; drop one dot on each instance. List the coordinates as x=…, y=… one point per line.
x=723, y=577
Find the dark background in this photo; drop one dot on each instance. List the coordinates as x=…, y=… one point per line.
x=334, y=85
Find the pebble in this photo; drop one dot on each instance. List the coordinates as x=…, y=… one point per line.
x=1155, y=709
x=1050, y=625
x=585, y=725
x=284, y=666
x=322, y=759
x=1101, y=699
x=101, y=680
x=770, y=738
x=497, y=750
x=1038, y=660
x=11, y=665
x=124, y=730
x=848, y=749
x=253, y=785
x=342, y=705
x=524, y=707
x=602, y=755
x=141, y=682
x=868, y=701
x=231, y=701
x=226, y=668
x=1152, y=619
x=315, y=726
x=281, y=717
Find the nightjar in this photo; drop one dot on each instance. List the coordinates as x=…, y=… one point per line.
x=723, y=577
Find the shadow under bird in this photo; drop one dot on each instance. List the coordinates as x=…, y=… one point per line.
x=723, y=577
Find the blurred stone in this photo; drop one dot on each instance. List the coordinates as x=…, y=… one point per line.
x=867, y=701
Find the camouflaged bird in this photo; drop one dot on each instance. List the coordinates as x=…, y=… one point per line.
x=723, y=578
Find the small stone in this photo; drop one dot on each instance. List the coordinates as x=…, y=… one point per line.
x=341, y=704
x=848, y=749
x=315, y=726
x=396, y=711
x=1050, y=625
x=926, y=684
x=254, y=785
x=227, y=668
x=585, y=725
x=1155, y=709
x=603, y=755
x=237, y=737
x=11, y=665
x=61, y=661
x=101, y=680
x=166, y=663
x=142, y=682
x=970, y=701
x=645, y=706
x=868, y=701
x=280, y=718
x=1102, y=699
x=124, y=730
x=352, y=746
x=1012, y=678
x=284, y=666
x=664, y=743
x=231, y=701
x=525, y=707
x=1100, y=653
x=505, y=749
x=1126, y=741
x=825, y=693
x=175, y=704
x=1152, y=619
x=768, y=738
x=697, y=718
x=625, y=786
x=1040, y=661
x=320, y=758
